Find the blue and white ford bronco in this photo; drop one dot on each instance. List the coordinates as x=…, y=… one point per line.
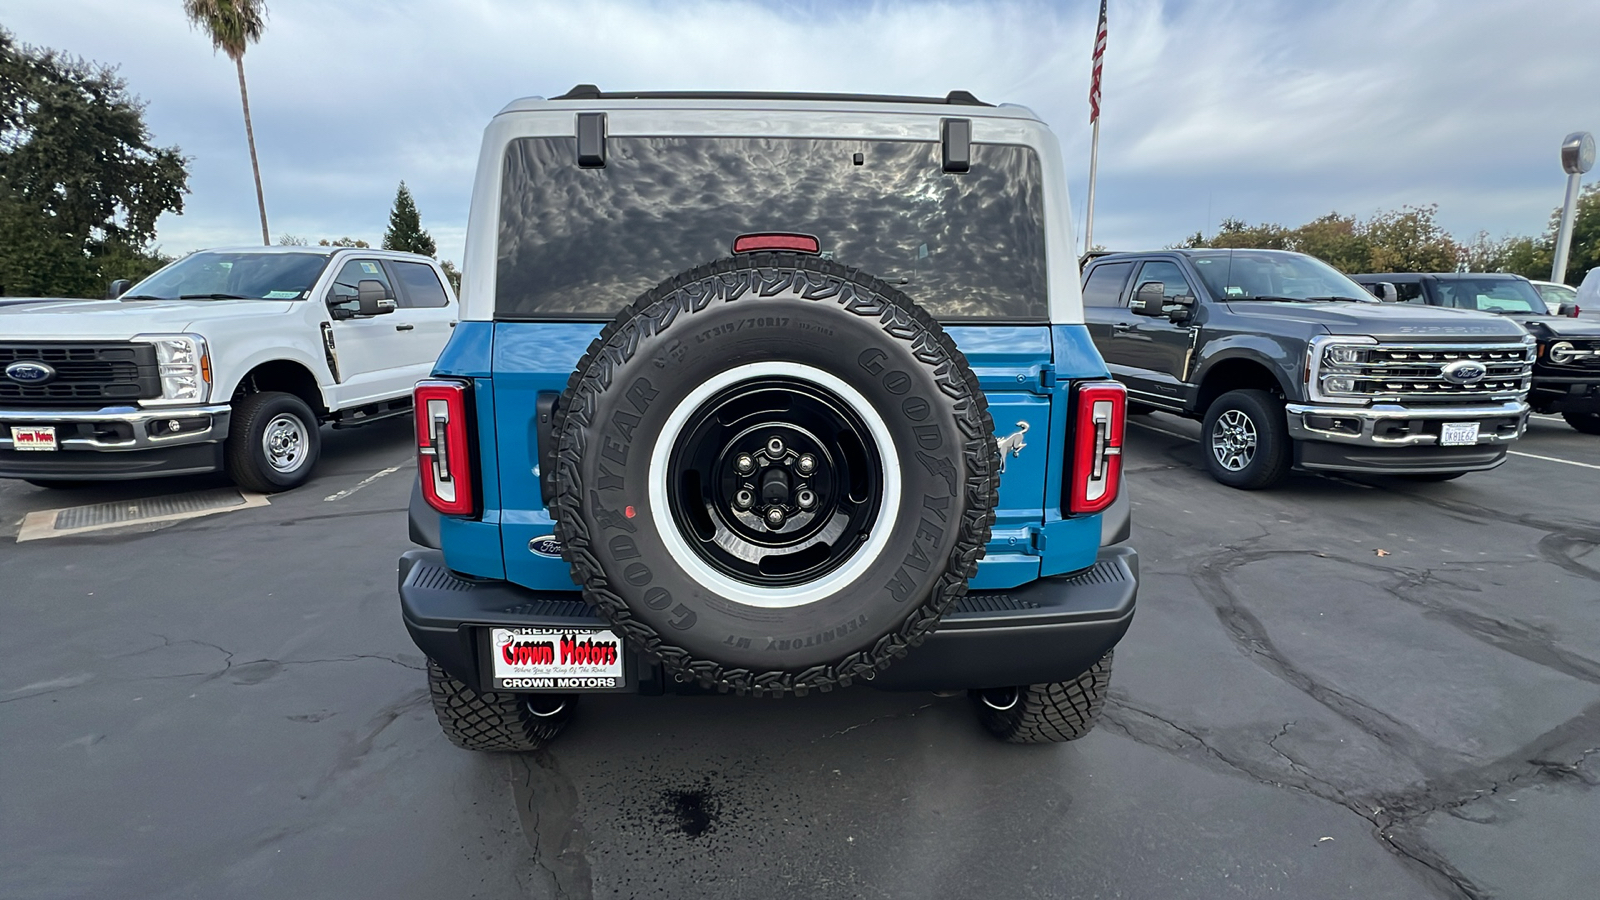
x=769, y=394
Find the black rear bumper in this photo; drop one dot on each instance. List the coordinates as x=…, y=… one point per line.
x=1052, y=629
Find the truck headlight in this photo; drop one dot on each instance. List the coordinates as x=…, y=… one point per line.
x=1561, y=353
x=184, y=366
x=1344, y=355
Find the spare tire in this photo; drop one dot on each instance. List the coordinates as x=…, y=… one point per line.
x=774, y=474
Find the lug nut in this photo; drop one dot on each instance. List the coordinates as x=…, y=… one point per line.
x=775, y=518
x=806, y=499
x=774, y=447
x=744, y=464
x=806, y=465
x=744, y=499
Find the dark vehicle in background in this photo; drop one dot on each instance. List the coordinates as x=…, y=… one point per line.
x=1290, y=365
x=1566, y=371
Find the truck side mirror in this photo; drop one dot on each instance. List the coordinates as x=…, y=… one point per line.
x=1568, y=309
x=1150, y=299
x=118, y=288
x=1385, y=291
x=372, y=298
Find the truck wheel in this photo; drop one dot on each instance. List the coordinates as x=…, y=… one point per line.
x=1246, y=440
x=511, y=723
x=1586, y=422
x=774, y=474
x=1046, y=713
x=273, y=442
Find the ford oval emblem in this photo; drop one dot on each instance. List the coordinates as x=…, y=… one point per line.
x=546, y=546
x=1464, y=372
x=30, y=372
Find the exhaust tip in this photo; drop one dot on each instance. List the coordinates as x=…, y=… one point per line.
x=1000, y=699
x=545, y=706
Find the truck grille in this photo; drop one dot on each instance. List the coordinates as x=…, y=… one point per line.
x=1416, y=372
x=88, y=375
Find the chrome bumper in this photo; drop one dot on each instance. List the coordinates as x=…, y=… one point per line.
x=215, y=428
x=1371, y=424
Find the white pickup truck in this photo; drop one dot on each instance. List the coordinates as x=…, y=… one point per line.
x=224, y=360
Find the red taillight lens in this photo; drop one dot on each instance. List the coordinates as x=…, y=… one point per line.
x=800, y=243
x=444, y=458
x=1097, y=446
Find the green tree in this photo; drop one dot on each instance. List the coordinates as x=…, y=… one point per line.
x=405, y=226
x=232, y=26
x=344, y=242
x=1337, y=240
x=1410, y=240
x=452, y=273
x=81, y=186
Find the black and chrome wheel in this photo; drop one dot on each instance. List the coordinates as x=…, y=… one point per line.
x=1246, y=440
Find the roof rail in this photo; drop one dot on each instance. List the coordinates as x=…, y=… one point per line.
x=590, y=92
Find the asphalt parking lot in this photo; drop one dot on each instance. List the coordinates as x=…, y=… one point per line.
x=1341, y=688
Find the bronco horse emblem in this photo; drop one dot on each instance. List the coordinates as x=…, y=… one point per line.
x=1012, y=444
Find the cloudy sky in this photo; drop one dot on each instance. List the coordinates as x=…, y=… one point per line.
x=1266, y=111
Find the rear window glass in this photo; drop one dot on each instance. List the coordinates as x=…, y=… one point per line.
x=582, y=243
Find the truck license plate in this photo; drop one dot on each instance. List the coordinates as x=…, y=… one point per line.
x=33, y=437
x=545, y=659
x=1459, y=434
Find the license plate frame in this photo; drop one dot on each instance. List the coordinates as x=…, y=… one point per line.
x=34, y=438
x=544, y=659
x=1458, y=434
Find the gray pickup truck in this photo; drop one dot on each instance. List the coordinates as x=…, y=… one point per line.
x=1291, y=365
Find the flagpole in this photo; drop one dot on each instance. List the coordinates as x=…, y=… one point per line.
x=1095, y=64
x=1094, y=159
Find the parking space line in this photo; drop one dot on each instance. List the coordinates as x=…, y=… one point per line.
x=363, y=483
x=1554, y=459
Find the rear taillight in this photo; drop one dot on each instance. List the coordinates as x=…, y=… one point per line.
x=1097, y=446
x=444, y=457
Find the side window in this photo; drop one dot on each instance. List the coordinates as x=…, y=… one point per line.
x=1168, y=274
x=1410, y=291
x=420, y=287
x=351, y=274
x=1104, y=287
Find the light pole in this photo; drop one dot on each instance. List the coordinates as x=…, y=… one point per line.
x=1577, y=157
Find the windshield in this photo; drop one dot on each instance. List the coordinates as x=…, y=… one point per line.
x=1496, y=295
x=1268, y=275
x=241, y=275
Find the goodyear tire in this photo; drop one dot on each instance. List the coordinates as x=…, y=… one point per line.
x=774, y=474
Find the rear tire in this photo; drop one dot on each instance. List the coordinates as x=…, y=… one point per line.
x=1586, y=422
x=1246, y=441
x=273, y=442
x=1046, y=713
x=495, y=721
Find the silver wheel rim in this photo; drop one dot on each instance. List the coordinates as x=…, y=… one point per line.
x=1233, y=440
x=284, y=443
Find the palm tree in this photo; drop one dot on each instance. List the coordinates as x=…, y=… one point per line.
x=231, y=25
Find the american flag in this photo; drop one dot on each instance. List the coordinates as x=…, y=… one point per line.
x=1099, y=62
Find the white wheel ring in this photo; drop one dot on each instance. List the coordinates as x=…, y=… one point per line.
x=739, y=591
